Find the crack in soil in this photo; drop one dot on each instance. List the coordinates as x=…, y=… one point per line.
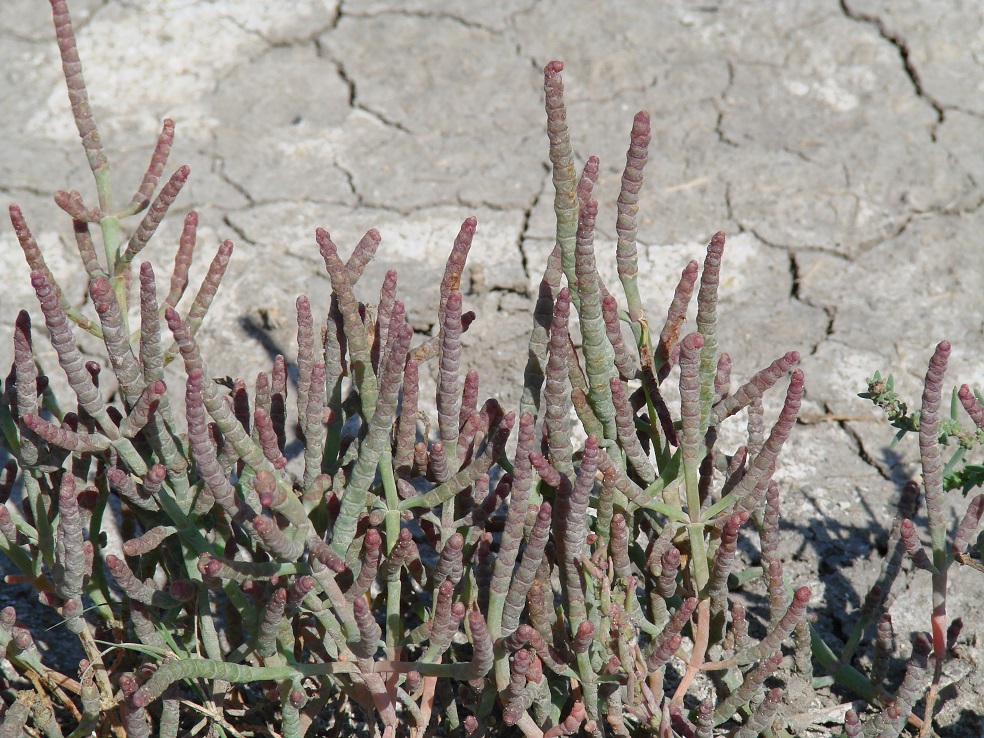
x=719, y=123
x=353, y=100
x=240, y=233
x=901, y=45
x=218, y=166
x=855, y=439
x=424, y=15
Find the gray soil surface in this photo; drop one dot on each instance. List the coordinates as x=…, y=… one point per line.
x=837, y=144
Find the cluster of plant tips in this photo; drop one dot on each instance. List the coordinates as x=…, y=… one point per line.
x=474, y=574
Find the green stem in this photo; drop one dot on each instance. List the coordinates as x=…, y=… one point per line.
x=844, y=674
x=394, y=594
x=42, y=523
x=97, y=588
x=109, y=224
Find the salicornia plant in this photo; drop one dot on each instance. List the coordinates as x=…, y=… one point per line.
x=416, y=569
x=935, y=430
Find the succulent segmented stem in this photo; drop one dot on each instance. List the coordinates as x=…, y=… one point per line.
x=628, y=439
x=87, y=250
x=469, y=397
x=313, y=426
x=124, y=485
x=971, y=404
x=232, y=431
x=663, y=653
x=760, y=470
x=913, y=547
x=599, y=356
x=267, y=490
x=523, y=578
x=724, y=559
x=371, y=554
x=362, y=254
x=691, y=354
x=401, y=554
x=673, y=628
x=158, y=160
x=444, y=622
x=773, y=640
x=707, y=299
x=628, y=206
x=690, y=408
x=355, y=329
x=576, y=510
x=270, y=622
x=570, y=724
x=722, y=379
x=556, y=422
x=653, y=394
x=583, y=637
x=482, y=650
x=140, y=414
x=468, y=475
x=676, y=314
x=149, y=541
x=35, y=260
x=64, y=438
x=505, y=560
x=455, y=267
x=182, y=260
x=754, y=388
x=449, y=383
x=152, y=365
x=514, y=698
x=69, y=556
x=275, y=541
x=77, y=94
x=198, y=668
x=534, y=373
x=449, y=565
x=376, y=441
x=70, y=358
x=564, y=174
x=803, y=650
x=769, y=532
x=369, y=631
x=932, y=470
x=586, y=183
x=134, y=588
x=762, y=718
x=278, y=399
x=968, y=524
x=202, y=445
x=626, y=363
x=406, y=431
x=384, y=316
x=245, y=571
x=750, y=685
x=152, y=219
x=209, y=287
x=25, y=386
x=911, y=688
x=666, y=584
x=267, y=437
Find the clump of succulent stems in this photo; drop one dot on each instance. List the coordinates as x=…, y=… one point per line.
x=418, y=569
x=959, y=472
x=963, y=544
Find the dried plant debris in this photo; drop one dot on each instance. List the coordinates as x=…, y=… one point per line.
x=418, y=573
